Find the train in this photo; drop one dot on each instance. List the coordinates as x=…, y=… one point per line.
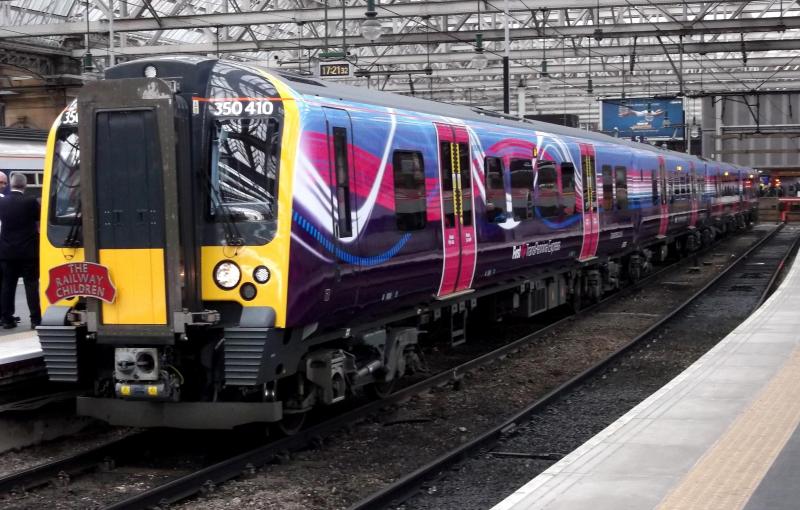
x=23, y=150
x=225, y=244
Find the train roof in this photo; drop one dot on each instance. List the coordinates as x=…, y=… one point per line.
x=21, y=153
x=25, y=134
x=313, y=86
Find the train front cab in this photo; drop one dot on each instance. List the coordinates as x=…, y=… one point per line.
x=148, y=339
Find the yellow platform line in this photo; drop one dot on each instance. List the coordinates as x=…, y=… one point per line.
x=726, y=476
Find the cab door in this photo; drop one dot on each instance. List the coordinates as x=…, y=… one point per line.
x=456, y=198
x=591, y=222
x=344, y=206
x=130, y=214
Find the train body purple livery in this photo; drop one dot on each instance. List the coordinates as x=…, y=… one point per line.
x=227, y=244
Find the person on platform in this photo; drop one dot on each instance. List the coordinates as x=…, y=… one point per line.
x=19, y=250
x=3, y=186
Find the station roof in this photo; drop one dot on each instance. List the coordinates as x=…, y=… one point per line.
x=629, y=48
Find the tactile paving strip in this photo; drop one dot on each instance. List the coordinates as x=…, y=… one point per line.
x=728, y=473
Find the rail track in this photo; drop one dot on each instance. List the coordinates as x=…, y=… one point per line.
x=747, y=272
x=116, y=453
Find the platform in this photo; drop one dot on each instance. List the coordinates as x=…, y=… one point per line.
x=721, y=435
x=20, y=343
x=19, y=347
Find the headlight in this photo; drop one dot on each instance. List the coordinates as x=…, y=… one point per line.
x=248, y=291
x=227, y=274
x=261, y=274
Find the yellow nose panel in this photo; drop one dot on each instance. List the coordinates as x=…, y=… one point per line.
x=141, y=288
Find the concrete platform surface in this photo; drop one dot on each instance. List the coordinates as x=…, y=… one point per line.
x=20, y=343
x=712, y=438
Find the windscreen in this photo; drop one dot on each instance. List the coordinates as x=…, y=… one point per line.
x=65, y=200
x=244, y=170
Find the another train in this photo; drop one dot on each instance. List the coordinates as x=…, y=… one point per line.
x=224, y=244
x=23, y=150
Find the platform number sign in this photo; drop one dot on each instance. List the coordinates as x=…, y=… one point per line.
x=329, y=70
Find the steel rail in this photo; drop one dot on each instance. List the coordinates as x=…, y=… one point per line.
x=37, y=401
x=405, y=487
x=225, y=470
x=74, y=464
x=765, y=294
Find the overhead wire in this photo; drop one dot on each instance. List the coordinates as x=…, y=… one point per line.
x=576, y=50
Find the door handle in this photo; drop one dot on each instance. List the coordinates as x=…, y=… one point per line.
x=141, y=215
x=116, y=214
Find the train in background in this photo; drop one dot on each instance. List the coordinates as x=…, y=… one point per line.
x=224, y=244
x=23, y=150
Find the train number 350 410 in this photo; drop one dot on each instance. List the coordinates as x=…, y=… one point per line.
x=234, y=108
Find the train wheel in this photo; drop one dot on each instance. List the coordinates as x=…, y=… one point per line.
x=380, y=390
x=291, y=423
x=577, y=298
x=634, y=268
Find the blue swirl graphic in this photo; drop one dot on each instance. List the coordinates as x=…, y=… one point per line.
x=343, y=255
x=574, y=218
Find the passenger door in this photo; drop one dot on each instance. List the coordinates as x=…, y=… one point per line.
x=458, y=229
x=591, y=223
x=694, y=194
x=666, y=195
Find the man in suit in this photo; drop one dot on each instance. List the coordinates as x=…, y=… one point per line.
x=19, y=250
x=3, y=186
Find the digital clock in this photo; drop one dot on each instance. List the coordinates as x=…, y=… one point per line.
x=334, y=70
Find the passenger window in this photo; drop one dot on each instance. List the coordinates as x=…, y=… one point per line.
x=568, y=188
x=409, y=190
x=673, y=185
x=702, y=178
x=621, y=182
x=495, y=190
x=654, y=181
x=466, y=183
x=608, y=187
x=521, y=188
x=446, y=165
x=547, y=190
x=244, y=170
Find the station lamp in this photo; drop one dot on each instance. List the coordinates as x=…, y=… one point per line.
x=544, y=78
x=479, y=60
x=371, y=28
x=88, y=62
